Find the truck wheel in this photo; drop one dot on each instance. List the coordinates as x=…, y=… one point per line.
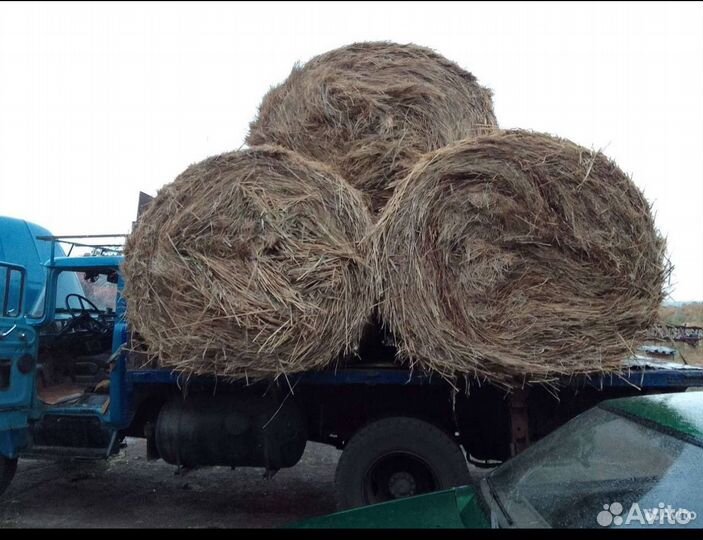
x=7, y=472
x=397, y=457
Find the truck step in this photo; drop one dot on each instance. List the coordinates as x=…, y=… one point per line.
x=74, y=452
x=65, y=452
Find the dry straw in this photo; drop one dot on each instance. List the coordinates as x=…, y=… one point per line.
x=370, y=109
x=249, y=265
x=518, y=257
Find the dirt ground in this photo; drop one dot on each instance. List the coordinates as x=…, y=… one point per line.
x=129, y=491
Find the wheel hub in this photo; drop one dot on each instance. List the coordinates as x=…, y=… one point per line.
x=402, y=484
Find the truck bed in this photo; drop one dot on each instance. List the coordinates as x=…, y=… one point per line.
x=639, y=372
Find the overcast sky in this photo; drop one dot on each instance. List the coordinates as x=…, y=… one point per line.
x=100, y=101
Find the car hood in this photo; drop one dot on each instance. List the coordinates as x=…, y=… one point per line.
x=457, y=508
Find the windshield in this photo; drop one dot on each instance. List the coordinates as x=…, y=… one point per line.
x=101, y=292
x=68, y=282
x=602, y=470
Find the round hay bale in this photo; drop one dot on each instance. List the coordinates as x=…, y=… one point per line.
x=518, y=256
x=370, y=109
x=250, y=264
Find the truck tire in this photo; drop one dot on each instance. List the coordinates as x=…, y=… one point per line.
x=7, y=472
x=397, y=457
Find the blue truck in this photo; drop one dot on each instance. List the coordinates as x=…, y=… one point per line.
x=75, y=383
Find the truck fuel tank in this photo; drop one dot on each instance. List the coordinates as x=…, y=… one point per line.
x=237, y=430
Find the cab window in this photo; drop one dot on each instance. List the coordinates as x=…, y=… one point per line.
x=86, y=291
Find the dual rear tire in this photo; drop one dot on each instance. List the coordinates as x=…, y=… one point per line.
x=398, y=457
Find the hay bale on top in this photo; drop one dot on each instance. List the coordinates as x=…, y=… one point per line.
x=370, y=109
x=518, y=255
x=249, y=264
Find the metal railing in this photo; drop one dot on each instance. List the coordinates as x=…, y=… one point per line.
x=78, y=240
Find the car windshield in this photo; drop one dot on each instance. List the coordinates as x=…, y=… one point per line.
x=602, y=470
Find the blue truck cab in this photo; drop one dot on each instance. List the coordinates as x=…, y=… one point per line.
x=55, y=342
x=76, y=382
x=19, y=244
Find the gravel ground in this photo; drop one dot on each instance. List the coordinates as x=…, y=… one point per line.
x=129, y=491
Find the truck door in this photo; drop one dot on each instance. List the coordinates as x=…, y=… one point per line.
x=18, y=353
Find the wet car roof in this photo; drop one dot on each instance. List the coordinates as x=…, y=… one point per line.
x=679, y=414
